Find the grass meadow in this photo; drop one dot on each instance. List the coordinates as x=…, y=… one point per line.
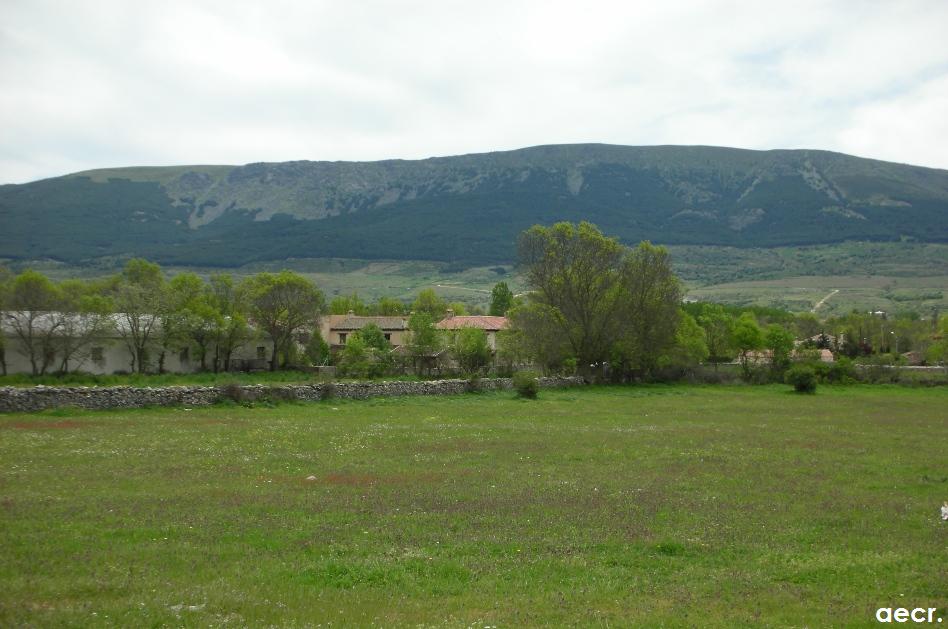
x=674, y=506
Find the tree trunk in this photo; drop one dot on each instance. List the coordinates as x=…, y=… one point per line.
x=273, y=358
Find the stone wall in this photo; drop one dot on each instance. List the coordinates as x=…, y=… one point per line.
x=14, y=399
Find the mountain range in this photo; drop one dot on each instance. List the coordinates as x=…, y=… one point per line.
x=469, y=209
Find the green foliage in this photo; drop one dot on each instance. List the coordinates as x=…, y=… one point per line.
x=595, y=301
x=802, y=377
x=317, y=350
x=459, y=308
x=471, y=349
x=718, y=326
x=575, y=274
x=938, y=351
x=690, y=347
x=526, y=384
x=344, y=304
x=649, y=310
x=747, y=337
x=780, y=342
x=424, y=342
x=429, y=303
x=358, y=359
x=388, y=307
x=501, y=299
x=281, y=305
x=373, y=337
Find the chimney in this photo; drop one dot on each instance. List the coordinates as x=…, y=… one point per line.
x=449, y=314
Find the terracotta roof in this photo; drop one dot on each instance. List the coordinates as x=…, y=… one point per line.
x=483, y=322
x=354, y=322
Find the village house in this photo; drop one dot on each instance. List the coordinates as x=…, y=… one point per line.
x=490, y=324
x=335, y=329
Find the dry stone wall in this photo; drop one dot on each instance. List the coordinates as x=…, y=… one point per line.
x=16, y=399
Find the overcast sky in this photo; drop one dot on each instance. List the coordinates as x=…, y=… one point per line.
x=117, y=83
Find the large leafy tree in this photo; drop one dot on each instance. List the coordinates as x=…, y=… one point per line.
x=282, y=305
x=576, y=276
x=650, y=298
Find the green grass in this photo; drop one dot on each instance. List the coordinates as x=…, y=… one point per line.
x=663, y=506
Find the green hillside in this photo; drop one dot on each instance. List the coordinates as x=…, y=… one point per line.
x=468, y=209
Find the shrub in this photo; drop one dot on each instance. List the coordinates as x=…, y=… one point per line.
x=842, y=371
x=802, y=377
x=526, y=384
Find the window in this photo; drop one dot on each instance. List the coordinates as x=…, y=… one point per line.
x=185, y=355
x=98, y=355
x=388, y=337
x=261, y=352
x=342, y=338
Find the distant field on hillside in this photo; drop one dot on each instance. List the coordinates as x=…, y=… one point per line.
x=666, y=506
x=834, y=295
x=886, y=276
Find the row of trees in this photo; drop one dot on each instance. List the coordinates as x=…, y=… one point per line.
x=58, y=324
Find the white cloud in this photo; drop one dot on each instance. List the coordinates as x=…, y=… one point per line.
x=111, y=83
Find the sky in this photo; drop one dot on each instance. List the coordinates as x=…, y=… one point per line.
x=95, y=84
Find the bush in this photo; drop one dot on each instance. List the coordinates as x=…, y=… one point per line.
x=802, y=377
x=841, y=371
x=526, y=384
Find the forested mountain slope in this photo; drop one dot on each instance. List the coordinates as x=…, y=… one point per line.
x=470, y=208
